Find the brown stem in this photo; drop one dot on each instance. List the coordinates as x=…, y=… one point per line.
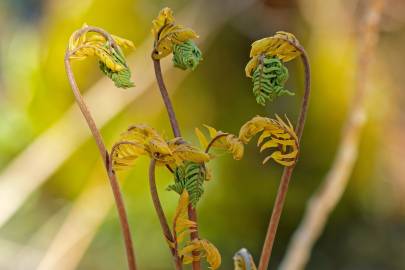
x=103, y=152
x=287, y=173
x=166, y=99
x=211, y=143
x=161, y=215
x=192, y=212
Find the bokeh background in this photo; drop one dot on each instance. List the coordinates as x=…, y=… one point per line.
x=56, y=208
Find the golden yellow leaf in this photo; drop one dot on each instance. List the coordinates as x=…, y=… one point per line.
x=282, y=45
x=183, y=151
x=165, y=17
x=201, y=138
x=225, y=141
x=280, y=137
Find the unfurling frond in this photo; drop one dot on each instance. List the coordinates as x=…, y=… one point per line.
x=282, y=45
x=186, y=55
x=176, y=39
x=280, y=137
x=84, y=43
x=266, y=66
x=143, y=140
x=243, y=260
x=182, y=227
x=221, y=140
x=189, y=177
x=269, y=79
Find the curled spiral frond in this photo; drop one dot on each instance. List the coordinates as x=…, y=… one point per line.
x=221, y=140
x=141, y=140
x=280, y=137
x=186, y=55
x=268, y=80
x=266, y=66
x=182, y=227
x=190, y=177
x=243, y=260
x=83, y=43
x=168, y=35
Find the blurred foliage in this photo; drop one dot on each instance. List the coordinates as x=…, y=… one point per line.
x=366, y=231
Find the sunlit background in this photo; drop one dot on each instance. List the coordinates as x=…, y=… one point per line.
x=56, y=209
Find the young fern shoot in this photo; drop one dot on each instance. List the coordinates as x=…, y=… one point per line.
x=93, y=41
x=285, y=47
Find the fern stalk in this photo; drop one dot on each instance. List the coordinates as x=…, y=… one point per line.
x=287, y=173
x=192, y=212
x=122, y=214
x=161, y=215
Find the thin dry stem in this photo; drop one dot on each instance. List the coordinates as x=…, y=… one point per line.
x=103, y=152
x=287, y=173
x=326, y=198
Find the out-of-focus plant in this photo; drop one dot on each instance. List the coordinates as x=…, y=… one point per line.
x=188, y=163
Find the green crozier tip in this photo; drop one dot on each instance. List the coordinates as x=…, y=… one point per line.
x=268, y=80
x=186, y=55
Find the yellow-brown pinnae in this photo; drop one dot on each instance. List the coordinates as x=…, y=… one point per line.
x=141, y=140
x=276, y=135
x=221, y=140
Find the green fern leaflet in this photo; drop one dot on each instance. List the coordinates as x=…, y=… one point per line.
x=268, y=80
x=186, y=55
x=190, y=176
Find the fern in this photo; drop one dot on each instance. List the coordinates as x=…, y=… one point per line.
x=268, y=79
x=122, y=78
x=186, y=55
x=190, y=177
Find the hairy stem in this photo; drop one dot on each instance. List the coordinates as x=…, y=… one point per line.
x=287, y=173
x=329, y=193
x=192, y=213
x=161, y=215
x=103, y=152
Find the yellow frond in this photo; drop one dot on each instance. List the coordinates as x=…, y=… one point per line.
x=276, y=135
x=183, y=151
x=165, y=17
x=282, y=45
x=225, y=141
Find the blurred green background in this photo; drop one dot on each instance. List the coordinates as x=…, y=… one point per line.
x=56, y=208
